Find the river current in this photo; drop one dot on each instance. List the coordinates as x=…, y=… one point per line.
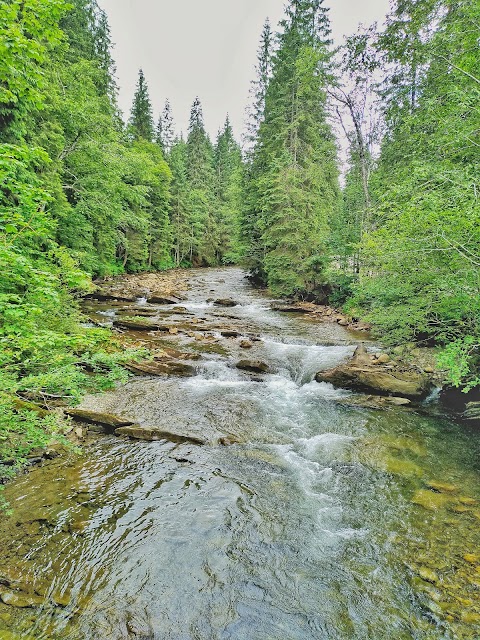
x=319, y=523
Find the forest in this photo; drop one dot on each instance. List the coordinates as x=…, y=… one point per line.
x=391, y=235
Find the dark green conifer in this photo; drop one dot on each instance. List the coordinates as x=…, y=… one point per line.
x=141, y=118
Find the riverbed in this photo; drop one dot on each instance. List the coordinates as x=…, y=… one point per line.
x=309, y=518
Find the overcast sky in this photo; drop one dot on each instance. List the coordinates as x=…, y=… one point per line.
x=206, y=48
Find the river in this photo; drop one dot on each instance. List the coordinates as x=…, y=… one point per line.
x=321, y=521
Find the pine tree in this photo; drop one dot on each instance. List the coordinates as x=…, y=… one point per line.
x=228, y=188
x=259, y=86
x=166, y=129
x=295, y=181
x=141, y=118
x=201, y=181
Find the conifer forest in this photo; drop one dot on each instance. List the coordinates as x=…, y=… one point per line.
x=353, y=192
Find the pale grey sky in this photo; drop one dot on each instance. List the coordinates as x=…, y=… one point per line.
x=206, y=48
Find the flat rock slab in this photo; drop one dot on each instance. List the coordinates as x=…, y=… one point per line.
x=361, y=374
x=225, y=302
x=294, y=308
x=96, y=417
x=375, y=402
x=152, y=434
x=167, y=367
x=140, y=325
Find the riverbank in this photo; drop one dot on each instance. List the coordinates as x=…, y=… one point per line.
x=134, y=299
x=236, y=469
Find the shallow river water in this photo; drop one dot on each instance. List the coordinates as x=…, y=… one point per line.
x=318, y=524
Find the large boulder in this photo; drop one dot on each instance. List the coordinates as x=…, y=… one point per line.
x=367, y=375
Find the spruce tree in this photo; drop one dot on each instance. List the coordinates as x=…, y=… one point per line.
x=182, y=228
x=228, y=188
x=201, y=181
x=166, y=129
x=295, y=182
x=141, y=118
x=250, y=229
x=259, y=86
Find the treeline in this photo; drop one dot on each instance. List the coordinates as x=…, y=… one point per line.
x=409, y=231
x=399, y=244
x=82, y=193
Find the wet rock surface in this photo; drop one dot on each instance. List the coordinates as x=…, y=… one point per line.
x=265, y=490
x=365, y=372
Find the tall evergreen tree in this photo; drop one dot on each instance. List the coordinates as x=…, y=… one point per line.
x=201, y=181
x=296, y=178
x=228, y=188
x=166, y=129
x=250, y=228
x=182, y=227
x=259, y=86
x=141, y=118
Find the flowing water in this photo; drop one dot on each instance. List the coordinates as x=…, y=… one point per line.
x=319, y=523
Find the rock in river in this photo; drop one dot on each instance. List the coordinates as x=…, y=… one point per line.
x=158, y=298
x=21, y=600
x=165, y=367
x=108, y=420
x=225, y=302
x=253, y=365
x=362, y=375
x=140, y=325
x=151, y=434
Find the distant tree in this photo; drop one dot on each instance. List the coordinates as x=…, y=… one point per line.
x=141, y=118
x=201, y=182
x=166, y=129
x=228, y=189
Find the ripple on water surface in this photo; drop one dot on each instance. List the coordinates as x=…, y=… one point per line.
x=323, y=522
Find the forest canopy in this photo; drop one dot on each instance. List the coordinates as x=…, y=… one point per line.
x=394, y=236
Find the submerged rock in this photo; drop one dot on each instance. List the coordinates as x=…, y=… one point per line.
x=362, y=375
x=21, y=600
x=428, y=575
x=151, y=434
x=441, y=487
x=472, y=412
x=256, y=366
x=429, y=500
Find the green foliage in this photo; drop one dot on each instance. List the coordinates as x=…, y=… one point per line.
x=420, y=264
x=141, y=116
x=292, y=189
x=461, y=360
x=28, y=31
